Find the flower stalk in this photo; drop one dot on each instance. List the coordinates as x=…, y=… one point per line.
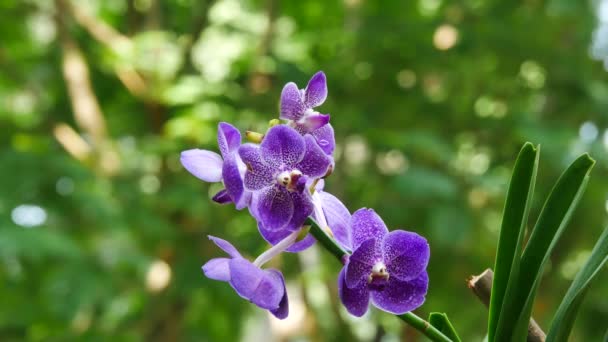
x=410, y=318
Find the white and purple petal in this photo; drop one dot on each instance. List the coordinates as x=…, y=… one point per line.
x=258, y=174
x=361, y=262
x=274, y=207
x=315, y=162
x=282, y=147
x=325, y=138
x=356, y=300
x=203, y=164
x=275, y=236
x=233, y=180
x=399, y=297
x=283, y=310
x=405, y=254
x=292, y=105
x=316, y=90
x=225, y=246
x=217, y=269
x=270, y=291
x=366, y=224
x=244, y=277
x=313, y=122
x=338, y=218
x=222, y=197
x=228, y=138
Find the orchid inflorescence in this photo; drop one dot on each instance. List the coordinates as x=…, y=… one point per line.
x=279, y=178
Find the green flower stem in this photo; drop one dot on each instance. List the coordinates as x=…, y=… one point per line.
x=410, y=318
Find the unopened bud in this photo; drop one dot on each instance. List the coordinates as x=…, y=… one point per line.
x=254, y=137
x=273, y=122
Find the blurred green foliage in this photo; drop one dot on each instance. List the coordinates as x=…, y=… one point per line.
x=431, y=101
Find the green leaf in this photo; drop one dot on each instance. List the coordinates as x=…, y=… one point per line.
x=568, y=309
x=518, y=300
x=440, y=321
x=515, y=216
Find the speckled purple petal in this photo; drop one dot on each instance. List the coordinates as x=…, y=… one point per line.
x=399, y=297
x=244, y=277
x=269, y=292
x=217, y=269
x=232, y=178
x=292, y=104
x=325, y=138
x=228, y=138
x=356, y=300
x=302, y=208
x=258, y=174
x=366, y=224
x=275, y=236
x=315, y=121
x=274, y=207
x=222, y=197
x=316, y=90
x=282, y=147
x=203, y=164
x=338, y=218
x=315, y=161
x=406, y=254
x=225, y=246
x=283, y=310
x=361, y=262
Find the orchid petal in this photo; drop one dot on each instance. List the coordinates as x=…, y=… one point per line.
x=228, y=138
x=337, y=217
x=270, y=291
x=217, y=269
x=275, y=207
x=325, y=138
x=406, y=254
x=361, y=262
x=292, y=105
x=222, y=197
x=356, y=300
x=366, y=224
x=282, y=147
x=316, y=90
x=232, y=178
x=203, y=164
x=225, y=246
x=315, y=121
x=245, y=277
x=283, y=310
x=315, y=162
x=399, y=297
x=275, y=236
x=258, y=174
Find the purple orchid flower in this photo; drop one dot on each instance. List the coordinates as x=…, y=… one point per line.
x=277, y=171
x=211, y=167
x=328, y=212
x=389, y=268
x=297, y=104
x=264, y=288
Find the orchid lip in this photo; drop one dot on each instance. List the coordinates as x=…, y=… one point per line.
x=379, y=272
x=289, y=179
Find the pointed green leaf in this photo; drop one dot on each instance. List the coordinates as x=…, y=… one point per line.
x=515, y=216
x=440, y=321
x=518, y=300
x=566, y=313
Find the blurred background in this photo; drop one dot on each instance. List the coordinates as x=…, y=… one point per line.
x=103, y=233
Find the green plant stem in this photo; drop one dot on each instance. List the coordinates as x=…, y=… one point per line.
x=410, y=318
